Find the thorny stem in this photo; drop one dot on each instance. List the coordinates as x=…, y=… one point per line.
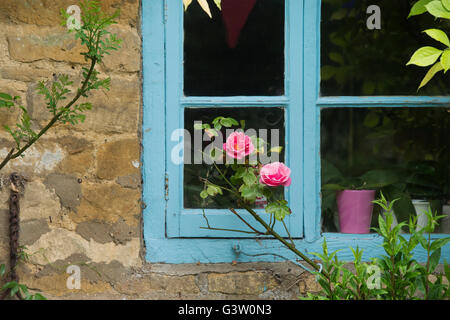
x=11, y=155
x=428, y=266
x=248, y=224
x=270, y=230
x=287, y=231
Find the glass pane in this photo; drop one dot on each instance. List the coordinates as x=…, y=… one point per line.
x=239, y=51
x=197, y=141
x=358, y=61
x=404, y=152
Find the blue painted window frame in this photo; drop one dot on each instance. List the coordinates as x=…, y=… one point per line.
x=162, y=248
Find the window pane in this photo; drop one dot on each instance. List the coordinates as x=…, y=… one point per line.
x=405, y=152
x=356, y=61
x=239, y=51
x=256, y=119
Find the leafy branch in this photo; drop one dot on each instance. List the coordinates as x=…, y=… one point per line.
x=14, y=288
x=438, y=59
x=98, y=42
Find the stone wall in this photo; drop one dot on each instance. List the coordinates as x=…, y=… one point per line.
x=82, y=205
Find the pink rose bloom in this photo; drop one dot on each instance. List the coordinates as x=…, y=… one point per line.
x=275, y=174
x=238, y=145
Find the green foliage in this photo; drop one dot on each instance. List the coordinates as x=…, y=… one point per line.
x=14, y=287
x=99, y=42
x=427, y=56
x=334, y=180
x=93, y=33
x=279, y=209
x=240, y=180
x=395, y=275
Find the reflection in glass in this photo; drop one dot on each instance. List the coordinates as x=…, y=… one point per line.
x=256, y=119
x=410, y=145
x=239, y=51
x=356, y=61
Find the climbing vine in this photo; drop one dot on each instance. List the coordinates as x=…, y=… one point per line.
x=98, y=42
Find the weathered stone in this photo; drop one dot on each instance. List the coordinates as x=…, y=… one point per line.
x=122, y=232
x=80, y=155
x=24, y=73
x=117, y=158
x=308, y=283
x=57, y=284
x=29, y=43
x=108, y=203
x=39, y=203
x=112, y=271
x=74, y=145
x=32, y=230
x=79, y=163
x=101, y=232
x=66, y=188
x=4, y=225
x=3, y=47
x=98, y=231
x=128, y=57
x=47, y=12
x=116, y=110
x=132, y=181
x=243, y=283
x=38, y=159
x=59, y=244
x=157, y=282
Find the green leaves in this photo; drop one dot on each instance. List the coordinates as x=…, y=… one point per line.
x=225, y=122
x=55, y=92
x=446, y=4
x=75, y=114
x=251, y=192
x=395, y=273
x=279, y=209
x=5, y=96
x=445, y=61
x=23, y=131
x=2, y=270
x=438, y=35
x=425, y=56
x=430, y=74
x=17, y=288
x=93, y=33
x=211, y=190
x=419, y=7
x=437, y=9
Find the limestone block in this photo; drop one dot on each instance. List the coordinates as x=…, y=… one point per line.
x=118, y=158
x=242, y=283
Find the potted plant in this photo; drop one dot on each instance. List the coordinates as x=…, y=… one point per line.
x=425, y=186
x=354, y=195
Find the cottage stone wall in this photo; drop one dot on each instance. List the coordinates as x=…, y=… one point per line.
x=82, y=205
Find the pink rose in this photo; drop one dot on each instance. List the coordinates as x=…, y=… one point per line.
x=275, y=174
x=238, y=145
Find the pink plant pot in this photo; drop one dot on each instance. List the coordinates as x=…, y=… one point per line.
x=355, y=210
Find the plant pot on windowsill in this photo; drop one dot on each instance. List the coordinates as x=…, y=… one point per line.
x=355, y=210
x=354, y=196
x=421, y=206
x=444, y=226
